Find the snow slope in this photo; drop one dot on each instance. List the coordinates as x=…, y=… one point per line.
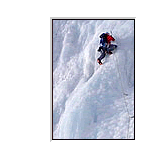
x=92, y=101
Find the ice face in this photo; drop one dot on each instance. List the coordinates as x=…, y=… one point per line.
x=92, y=101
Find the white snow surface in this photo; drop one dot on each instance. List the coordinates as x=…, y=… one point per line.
x=92, y=101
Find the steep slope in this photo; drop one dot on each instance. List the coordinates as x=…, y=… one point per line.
x=89, y=100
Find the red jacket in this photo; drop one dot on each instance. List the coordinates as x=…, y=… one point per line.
x=110, y=38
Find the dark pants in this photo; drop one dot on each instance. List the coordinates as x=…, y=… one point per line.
x=103, y=52
x=111, y=47
x=102, y=56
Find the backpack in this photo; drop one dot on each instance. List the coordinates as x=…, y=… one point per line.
x=103, y=35
x=103, y=38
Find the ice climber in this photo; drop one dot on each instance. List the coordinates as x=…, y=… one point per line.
x=105, y=46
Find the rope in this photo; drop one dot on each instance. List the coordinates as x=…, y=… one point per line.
x=124, y=96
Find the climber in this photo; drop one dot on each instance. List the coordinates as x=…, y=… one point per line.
x=106, y=46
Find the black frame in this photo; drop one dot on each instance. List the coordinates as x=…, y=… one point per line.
x=51, y=138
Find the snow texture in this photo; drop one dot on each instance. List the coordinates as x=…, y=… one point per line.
x=92, y=101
